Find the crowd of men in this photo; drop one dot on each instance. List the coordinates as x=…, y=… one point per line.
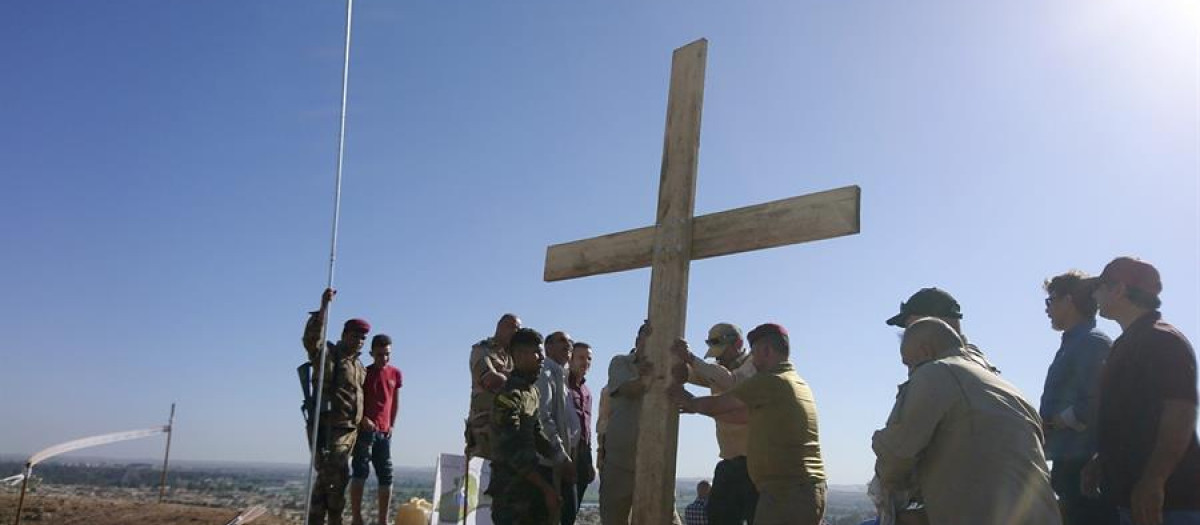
x=1117, y=418
x=961, y=445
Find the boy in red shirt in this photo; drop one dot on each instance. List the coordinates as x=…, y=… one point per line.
x=381, y=403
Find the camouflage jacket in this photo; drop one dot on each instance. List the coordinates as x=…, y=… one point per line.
x=344, y=377
x=517, y=431
x=486, y=356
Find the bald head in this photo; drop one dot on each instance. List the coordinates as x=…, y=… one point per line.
x=506, y=327
x=928, y=338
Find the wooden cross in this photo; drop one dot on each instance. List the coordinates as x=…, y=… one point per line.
x=668, y=247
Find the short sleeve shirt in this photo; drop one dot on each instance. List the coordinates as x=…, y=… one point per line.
x=620, y=439
x=1150, y=363
x=731, y=437
x=783, y=444
x=380, y=395
x=486, y=356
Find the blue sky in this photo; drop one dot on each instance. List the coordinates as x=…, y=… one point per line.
x=168, y=171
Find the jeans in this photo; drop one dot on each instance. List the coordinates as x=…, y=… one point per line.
x=569, y=509
x=583, y=467
x=1170, y=517
x=376, y=448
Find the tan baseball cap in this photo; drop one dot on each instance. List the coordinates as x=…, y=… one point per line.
x=720, y=336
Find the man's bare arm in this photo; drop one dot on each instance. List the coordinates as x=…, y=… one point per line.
x=724, y=407
x=1175, y=429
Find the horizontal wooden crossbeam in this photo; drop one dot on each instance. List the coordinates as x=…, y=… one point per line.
x=811, y=217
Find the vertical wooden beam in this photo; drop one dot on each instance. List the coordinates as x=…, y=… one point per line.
x=654, y=496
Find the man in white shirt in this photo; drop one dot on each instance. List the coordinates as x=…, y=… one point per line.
x=557, y=413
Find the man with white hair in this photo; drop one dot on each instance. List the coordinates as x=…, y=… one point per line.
x=964, y=438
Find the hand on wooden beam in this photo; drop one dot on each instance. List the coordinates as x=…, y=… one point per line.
x=682, y=398
x=645, y=369
x=681, y=350
x=679, y=373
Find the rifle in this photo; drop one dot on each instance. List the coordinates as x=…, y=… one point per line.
x=306, y=408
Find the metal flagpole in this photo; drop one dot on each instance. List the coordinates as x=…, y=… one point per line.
x=162, y=486
x=337, y=208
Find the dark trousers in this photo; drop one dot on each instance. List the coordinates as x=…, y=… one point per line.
x=516, y=501
x=1078, y=509
x=583, y=469
x=733, y=497
x=566, y=490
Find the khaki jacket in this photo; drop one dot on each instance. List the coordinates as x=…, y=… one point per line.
x=344, y=376
x=970, y=443
x=486, y=356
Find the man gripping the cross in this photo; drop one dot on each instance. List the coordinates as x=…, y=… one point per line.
x=341, y=410
x=628, y=378
x=783, y=454
x=733, y=495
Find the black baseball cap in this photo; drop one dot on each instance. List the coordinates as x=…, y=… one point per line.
x=927, y=302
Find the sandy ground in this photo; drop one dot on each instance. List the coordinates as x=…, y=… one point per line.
x=77, y=510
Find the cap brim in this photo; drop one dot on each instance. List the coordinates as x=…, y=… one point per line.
x=898, y=319
x=714, y=351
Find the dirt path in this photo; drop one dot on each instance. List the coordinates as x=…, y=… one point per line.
x=78, y=510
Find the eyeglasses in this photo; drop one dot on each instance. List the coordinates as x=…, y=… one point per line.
x=721, y=340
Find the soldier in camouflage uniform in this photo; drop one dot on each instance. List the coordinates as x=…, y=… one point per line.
x=521, y=490
x=490, y=367
x=342, y=409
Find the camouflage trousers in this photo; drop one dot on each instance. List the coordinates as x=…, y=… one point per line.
x=333, y=474
x=479, y=441
x=517, y=501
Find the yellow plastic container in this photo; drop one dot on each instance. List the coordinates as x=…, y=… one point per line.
x=415, y=512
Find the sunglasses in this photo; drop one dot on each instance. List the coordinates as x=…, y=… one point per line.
x=1051, y=299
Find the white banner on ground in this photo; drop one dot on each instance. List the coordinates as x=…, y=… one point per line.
x=94, y=441
x=248, y=515
x=449, y=497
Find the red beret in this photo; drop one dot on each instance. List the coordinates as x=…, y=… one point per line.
x=357, y=325
x=765, y=329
